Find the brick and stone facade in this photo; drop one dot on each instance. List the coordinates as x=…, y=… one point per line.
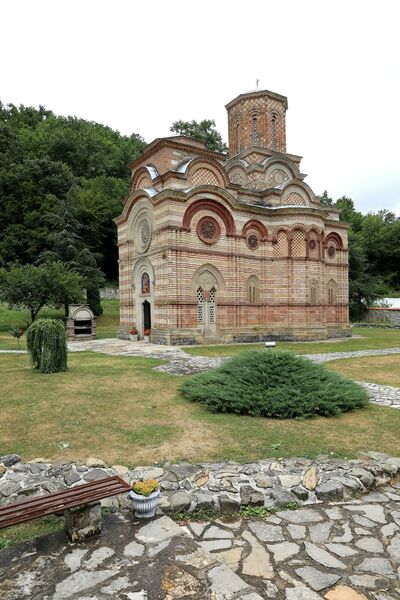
x=220, y=248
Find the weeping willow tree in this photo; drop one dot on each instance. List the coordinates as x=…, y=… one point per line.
x=47, y=344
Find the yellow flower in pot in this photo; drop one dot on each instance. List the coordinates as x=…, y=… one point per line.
x=144, y=496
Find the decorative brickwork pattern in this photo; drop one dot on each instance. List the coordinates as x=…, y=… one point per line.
x=295, y=199
x=269, y=109
x=203, y=176
x=281, y=247
x=254, y=157
x=298, y=243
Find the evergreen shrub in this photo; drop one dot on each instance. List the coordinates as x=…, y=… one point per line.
x=47, y=344
x=274, y=384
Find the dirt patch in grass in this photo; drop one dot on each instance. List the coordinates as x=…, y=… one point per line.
x=374, y=369
x=114, y=407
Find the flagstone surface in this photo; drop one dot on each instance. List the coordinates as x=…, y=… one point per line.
x=305, y=554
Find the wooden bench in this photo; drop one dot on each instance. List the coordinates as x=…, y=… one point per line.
x=80, y=504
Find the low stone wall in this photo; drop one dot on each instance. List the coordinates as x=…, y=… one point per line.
x=390, y=316
x=376, y=325
x=223, y=486
x=109, y=293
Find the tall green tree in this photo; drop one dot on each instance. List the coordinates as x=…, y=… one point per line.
x=365, y=286
x=68, y=246
x=42, y=158
x=203, y=130
x=367, y=282
x=99, y=202
x=325, y=199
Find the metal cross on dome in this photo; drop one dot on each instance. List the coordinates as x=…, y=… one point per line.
x=257, y=81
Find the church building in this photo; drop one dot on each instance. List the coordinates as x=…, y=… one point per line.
x=220, y=248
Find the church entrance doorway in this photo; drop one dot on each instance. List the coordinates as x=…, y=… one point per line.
x=146, y=315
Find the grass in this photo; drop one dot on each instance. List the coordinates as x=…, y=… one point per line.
x=121, y=410
x=371, y=338
x=106, y=325
x=246, y=512
x=26, y=531
x=375, y=369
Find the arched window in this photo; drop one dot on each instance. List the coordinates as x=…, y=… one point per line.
x=332, y=292
x=237, y=128
x=273, y=131
x=206, y=307
x=313, y=293
x=253, y=290
x=200, y=306
x=254, y=130
x=145, y=283
x=211, y=306
x=252, y=293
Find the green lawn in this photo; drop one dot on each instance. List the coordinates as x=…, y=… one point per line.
x=27, y=531
x=371, y=338
x=106, y=325
x=119, y=409
x=375, y=369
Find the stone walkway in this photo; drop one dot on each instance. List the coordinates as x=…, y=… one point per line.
x=337, y=551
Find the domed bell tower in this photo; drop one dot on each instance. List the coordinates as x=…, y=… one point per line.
x=257, y=119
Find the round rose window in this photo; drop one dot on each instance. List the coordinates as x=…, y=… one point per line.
x=312, y=244
x=331, y=251
x=145, y=232
x=252, y=241
x=208, y=230
x=143, y=235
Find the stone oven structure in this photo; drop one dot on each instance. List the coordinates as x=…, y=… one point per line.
x=231, y=248
x=81, y=323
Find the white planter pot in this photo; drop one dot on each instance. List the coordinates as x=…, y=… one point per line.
x=133, y=338
x=146, y=338
x=145, y=506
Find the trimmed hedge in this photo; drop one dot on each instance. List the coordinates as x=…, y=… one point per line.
x=274, y=384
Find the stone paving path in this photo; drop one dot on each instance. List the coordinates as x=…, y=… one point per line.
x=311, y=552
x=336, y=551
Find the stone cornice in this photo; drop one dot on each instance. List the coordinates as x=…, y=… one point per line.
x=160, y=143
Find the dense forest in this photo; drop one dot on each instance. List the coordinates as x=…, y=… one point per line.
x=62, y=166
x=62, y=180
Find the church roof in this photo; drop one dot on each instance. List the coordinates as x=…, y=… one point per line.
x=255, y=94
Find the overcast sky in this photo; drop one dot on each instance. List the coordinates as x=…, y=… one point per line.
x=139, y=66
